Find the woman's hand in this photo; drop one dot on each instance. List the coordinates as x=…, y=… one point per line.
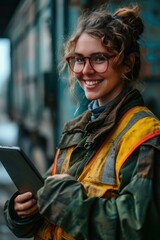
x=25, y=205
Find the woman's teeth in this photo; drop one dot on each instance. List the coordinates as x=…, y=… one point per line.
x=91, y=83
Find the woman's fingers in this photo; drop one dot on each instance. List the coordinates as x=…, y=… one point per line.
x=28, y=212
x=25, y=205
x=23, y=197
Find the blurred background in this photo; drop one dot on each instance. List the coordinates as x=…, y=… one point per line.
x=35, y=101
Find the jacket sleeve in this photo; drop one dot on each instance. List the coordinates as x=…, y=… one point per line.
x=133, y=215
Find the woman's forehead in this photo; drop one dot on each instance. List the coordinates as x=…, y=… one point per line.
x=88, y=44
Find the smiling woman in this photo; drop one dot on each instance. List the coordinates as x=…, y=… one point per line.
x=104, y=181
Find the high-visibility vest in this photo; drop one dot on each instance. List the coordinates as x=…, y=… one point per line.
x=101, y=176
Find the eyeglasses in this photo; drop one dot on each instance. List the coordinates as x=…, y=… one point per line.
x=99, y=62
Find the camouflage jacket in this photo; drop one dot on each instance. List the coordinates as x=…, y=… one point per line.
x=132, y=214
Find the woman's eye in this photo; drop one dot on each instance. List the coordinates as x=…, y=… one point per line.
x=99, y=59
x=79, y=60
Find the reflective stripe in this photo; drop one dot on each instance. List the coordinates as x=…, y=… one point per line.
x=146, y=138
x=109, y=175
x=60, y=161
x=63, y=157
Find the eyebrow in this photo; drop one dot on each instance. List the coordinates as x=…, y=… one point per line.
x=92, y=54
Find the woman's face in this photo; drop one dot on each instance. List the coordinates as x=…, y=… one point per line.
x=101, y=86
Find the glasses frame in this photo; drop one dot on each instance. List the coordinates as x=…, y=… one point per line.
x=89, y=59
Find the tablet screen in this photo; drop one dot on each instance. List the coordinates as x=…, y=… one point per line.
x=21, y=170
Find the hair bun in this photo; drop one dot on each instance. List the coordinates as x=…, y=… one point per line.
x=131, y=17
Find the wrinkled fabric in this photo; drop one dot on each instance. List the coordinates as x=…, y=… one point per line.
x=134, y=214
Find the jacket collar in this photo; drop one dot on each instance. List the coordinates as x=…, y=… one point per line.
x=82, y=126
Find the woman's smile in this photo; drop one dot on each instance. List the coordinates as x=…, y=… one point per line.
x=92, y=83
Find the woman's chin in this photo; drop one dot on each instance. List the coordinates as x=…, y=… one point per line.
x=91, y=98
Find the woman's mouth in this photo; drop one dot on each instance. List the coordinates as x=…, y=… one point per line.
x=92, y=83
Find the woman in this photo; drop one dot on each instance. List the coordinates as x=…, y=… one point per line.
x=104, y=183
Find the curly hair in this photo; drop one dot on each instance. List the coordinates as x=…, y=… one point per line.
x=119, y=33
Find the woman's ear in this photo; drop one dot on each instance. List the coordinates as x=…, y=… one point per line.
x=129, y=63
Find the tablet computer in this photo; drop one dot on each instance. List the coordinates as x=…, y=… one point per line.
x=21, y=170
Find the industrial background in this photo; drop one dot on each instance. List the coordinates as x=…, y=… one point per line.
x=34, y=96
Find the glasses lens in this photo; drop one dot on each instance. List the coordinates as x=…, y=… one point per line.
x=99, y=63
x=76, y=63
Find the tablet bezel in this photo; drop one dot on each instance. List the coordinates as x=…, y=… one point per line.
x=21, y=169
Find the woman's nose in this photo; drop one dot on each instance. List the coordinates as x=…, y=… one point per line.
x=87, y=67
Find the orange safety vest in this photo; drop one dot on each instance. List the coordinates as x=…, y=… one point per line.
x=101, y=176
